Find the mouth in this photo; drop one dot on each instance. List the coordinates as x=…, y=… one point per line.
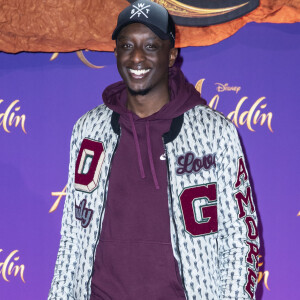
x=138, y=74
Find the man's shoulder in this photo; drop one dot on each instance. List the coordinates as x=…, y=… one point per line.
x=99, y=111
x=100, y=114
x=208, y=115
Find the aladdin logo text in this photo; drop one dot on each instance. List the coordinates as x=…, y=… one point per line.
x=10, y=117
x=8, y=266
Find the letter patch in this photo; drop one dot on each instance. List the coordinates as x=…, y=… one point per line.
x=190, y=163
x=199, y=208
x=83, y=214
x=93, y=151
x=241, y=173
x=245, y=210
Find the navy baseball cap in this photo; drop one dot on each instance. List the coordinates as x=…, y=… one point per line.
x=152, y=15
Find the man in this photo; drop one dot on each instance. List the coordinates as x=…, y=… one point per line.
x=159, y=204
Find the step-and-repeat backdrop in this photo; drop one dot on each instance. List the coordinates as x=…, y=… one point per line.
x=252, y=77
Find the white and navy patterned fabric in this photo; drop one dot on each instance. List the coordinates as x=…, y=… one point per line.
x=213, y=265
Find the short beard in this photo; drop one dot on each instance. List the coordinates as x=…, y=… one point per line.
x=139, y=93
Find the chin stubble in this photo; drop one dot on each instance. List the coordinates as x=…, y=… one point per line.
x=140, y=93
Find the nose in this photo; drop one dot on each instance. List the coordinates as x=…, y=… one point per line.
x=137, y=55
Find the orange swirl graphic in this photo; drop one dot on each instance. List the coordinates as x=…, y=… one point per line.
x=59, y=195
x=179, y=9
x=81, y=57
x=86, y=62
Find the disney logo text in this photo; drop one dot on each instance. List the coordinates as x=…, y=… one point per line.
x=226, y=88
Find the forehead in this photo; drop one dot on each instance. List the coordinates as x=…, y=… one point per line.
x=137, y=29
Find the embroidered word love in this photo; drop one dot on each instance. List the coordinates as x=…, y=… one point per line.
x=83, y=214
x=189, y=163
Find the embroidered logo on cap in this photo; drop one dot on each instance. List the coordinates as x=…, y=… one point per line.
x=196, y=12
x=139, y=10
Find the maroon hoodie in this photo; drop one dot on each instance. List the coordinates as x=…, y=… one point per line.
x=134, y=258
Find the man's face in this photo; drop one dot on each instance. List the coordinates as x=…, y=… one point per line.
x=143, y=59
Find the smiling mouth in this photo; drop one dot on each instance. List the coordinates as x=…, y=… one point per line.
x=138, y=74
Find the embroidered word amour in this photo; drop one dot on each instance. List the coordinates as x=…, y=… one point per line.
x=189, y=163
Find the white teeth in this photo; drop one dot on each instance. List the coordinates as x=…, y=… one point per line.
x=139, y=72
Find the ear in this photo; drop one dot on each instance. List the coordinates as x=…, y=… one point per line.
x=172, y=56
x=115, y=52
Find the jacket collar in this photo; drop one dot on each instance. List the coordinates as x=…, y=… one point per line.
x=167, y=137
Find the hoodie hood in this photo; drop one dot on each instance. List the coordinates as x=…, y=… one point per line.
x=183, y=96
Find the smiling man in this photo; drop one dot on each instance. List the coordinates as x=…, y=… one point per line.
x=159, y=204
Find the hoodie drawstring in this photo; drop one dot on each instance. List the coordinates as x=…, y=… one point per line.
x=138, y=151
x=150, y=156
x=137, y=146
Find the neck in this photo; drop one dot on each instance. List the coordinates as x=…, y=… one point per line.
x=146, y=105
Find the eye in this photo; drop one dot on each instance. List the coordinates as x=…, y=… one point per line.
x=151, y=46
x=126, y=46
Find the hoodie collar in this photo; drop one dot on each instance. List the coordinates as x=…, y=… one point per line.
x=183, y=96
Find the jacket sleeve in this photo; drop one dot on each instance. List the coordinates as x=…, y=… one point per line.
x=66, y=263
x=238, y=241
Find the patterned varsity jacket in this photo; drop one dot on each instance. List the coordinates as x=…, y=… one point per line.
x=212, y=215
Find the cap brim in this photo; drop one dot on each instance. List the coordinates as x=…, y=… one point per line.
x=156, y=30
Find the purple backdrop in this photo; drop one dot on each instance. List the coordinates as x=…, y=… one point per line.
x=253, y=75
